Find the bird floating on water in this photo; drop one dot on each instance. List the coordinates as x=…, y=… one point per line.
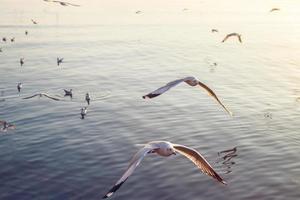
x=192, y=81
x=239, y=36
x=87, y=98
x=34, y=22
x=68, y=93
x=21, y=61
x=19, y=87
x=83, y=112
x=6, y=126
x=41, y=95
x=165, y=148
x=275, y=9
x=59, y=60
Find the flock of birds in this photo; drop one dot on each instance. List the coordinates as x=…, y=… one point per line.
x=161, y=148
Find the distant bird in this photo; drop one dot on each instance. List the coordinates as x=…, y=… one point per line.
x=6, y=126
x=239, y=36
x=34, y=22
x=164, y=148
x=87, y=98
x=63, y=3
x=185, y=9
x=68, y=93
x=274, y=9
x=41, y=95
x=26, y=32
x=192, y=81
x=214, y=30
x=12, y=39
x=21, y=61
x=59, y=60
x=138, y=12
x=19, y=87
x=4, y=39
x=83, y=112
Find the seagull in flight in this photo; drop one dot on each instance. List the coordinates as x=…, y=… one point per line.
x=21, y=61
x=6, y=126
x=275, y=9
x=214, y=30
x=4, y=39
x=68, y=93
x=59, y=60
x=165, y=149
x=19, y=87
x=87, y=98
x=192, y=81
x=83, y=112
x=12, y=39
x=41, y=95
x=138, y=12
x=239, y=36
x=34, y=22
x=26, y=32
x=63, y=3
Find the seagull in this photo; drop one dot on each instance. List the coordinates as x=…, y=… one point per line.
x=34, y=22
x=165, y=148
x=138, y=12
x=42, y=94
x=63, y=3
x=59, y=60
x=83, y=112
x=185, y=9
x=68, y=93
x=26, y=32
x=4, y=39
x=87, y=98
x=214, y=30
x=21, y=61
x=19, y=87
x=274, y=9
x=6, y=126
x=192, y=81
x=239, y=36
x=12, y=39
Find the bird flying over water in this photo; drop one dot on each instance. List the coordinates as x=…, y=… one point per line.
x=4, y=39
x=83, y=112
x=274, y=9
x=68, y=93
x=34, y=22
x=239, y=36
x=192, y=81
x=19, y=87
x=26, y=32
x=164, y=148
x=87, y=98
x=214, y=30
x=41, y=95
x=6, y=126
x=138, y=12
x=12, y=39
x=21, y=61
x=59, y=60
x=64, y=3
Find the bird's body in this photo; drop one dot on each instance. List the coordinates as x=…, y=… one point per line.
x=239, y=36
x=4, y=39
x=274, y=9
x=21, y=61
x=165, y=149
x=87, y=98
x=26, y=32
x=41, y=95
x=19, y=87
x=6, y=126
x=59, y=60
x=192, y=81
x=83, y=112
x=214, y=30
x=68, y=93
x=34, y=22
x=12, y=39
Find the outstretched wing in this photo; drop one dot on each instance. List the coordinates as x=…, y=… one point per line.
x=210, y=92
x=163, y=89
x=226, y=37
x=71, y=4
x=240, y=38
x=198, y=160
x=53, y=98
x=135, y=161
x=31, y=96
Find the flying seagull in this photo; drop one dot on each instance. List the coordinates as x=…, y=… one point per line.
x=63, y=3
x=59, y=60
x=192, y=81
x=138, y=12
x=19, y=87
x=26, y=32
x=6, y=126
x=87, y=98
x=214, y=30
x=164, y=148
x=239, y=36
x=21, y=61
x=41, y=95
x=68, y=93
x=34, y=22
x=83, y=112
x=274, y=9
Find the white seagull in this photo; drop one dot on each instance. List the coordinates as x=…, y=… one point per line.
x=21, y=61
x=192, y=81
x=164, y=148
x=239, y=36
x=41, y=95
x=68, y=93
x=59, y=60
x=83, y=112
x=19, y=87
x=6, y=126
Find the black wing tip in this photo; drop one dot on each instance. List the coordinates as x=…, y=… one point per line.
x=113, y=189
x=150, y=96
